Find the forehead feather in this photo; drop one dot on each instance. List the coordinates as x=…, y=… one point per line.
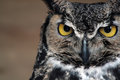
x=89, y=15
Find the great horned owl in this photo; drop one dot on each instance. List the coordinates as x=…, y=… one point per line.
x=79, y=41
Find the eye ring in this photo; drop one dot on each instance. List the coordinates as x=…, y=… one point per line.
x=64, y=30
x=109, y=31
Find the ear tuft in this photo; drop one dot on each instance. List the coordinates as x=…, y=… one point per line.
x=59, y=6
x=49, y=3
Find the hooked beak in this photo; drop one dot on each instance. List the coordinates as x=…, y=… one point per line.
x=85, y=51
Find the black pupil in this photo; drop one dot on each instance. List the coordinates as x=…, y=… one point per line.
x=107, y=29
x=66, y=28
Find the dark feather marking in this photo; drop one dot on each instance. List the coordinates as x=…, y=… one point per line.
x=49, y=3
x=33, y=76
x=39, y=78
x=68, y=58
x=74, y=76
x=116, y=72
x=50, y=14
x=105, y=57
x=106, y=43
x=105, y=77
x=41, y=55
x=40, y=58
x=57, y=73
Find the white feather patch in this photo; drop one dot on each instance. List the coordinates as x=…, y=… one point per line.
x=93, y=73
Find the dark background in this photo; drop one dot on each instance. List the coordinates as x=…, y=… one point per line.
x=20, y=22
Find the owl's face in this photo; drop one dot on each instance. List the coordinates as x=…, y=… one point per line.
x=79, y=42
x=84, y=34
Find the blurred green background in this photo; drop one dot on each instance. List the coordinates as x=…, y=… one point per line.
x=20, y=22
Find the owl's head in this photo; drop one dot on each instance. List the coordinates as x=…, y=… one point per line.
x=83, y=34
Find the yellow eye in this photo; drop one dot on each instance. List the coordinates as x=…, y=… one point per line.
x=108, y=31
x=64, y=30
